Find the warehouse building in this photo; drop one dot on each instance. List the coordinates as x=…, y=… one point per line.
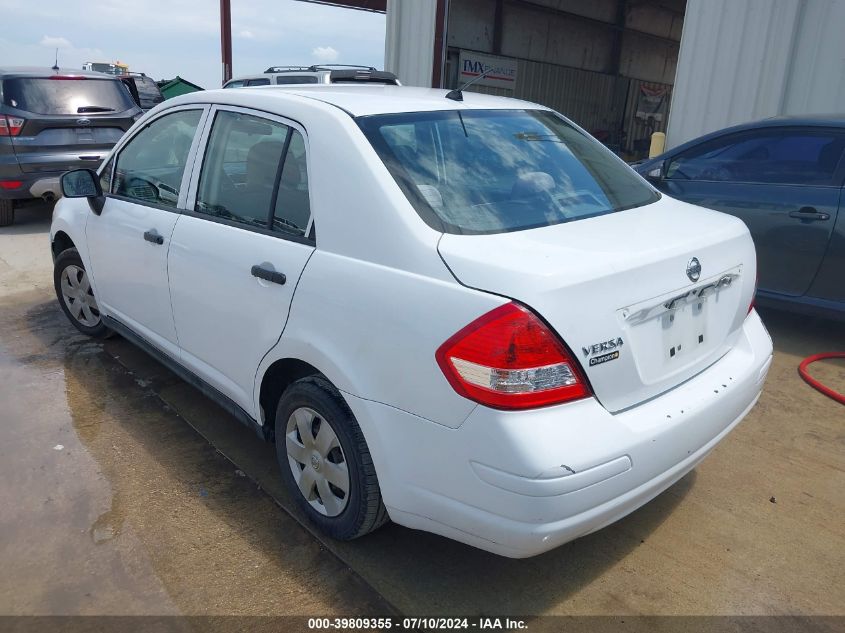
x=623, y=69
x=607, y=64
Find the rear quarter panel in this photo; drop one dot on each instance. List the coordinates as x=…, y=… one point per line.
x=373, y=331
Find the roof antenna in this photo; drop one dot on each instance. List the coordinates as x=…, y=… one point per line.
x=456, y=94
x=56, y=65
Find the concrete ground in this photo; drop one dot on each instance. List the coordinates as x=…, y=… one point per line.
x=124, y=491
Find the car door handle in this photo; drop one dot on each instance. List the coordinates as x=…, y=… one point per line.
x=809, y=214
x=152, y=236
x=269, y=275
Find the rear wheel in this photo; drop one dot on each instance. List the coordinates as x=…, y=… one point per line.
x=325, y=461
x=7, y=212
x=76, y=296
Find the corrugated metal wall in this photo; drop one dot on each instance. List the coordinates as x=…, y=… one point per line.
x=571, y=55
x=742, y=60
x=409, y=40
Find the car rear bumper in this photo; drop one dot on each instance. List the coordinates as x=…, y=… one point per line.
x=521, y=483
x=32, y=185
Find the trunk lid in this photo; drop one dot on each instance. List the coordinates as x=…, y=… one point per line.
x=60, y=143
x=616, y=289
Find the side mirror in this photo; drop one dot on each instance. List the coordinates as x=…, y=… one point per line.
x=83, y=183
x=658, y=172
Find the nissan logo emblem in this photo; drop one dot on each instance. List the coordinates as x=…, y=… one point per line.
x=694, y=269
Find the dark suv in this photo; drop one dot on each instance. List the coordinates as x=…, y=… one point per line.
x=52, y=121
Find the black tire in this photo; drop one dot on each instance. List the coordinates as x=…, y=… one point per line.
x=364, y=510
x=66, y=258
x=7, y=212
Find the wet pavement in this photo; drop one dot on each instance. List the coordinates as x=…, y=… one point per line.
x=125, y=491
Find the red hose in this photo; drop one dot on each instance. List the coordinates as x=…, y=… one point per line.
x=815, y=384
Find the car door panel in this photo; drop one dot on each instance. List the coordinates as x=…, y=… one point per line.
x=128, y=241
x=226, y=317
x=131, y=271
x=829, y=284
x=789, y=249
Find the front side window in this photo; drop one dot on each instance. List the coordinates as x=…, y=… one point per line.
x=493, y=171
x=768, y=156
x=150, y=167
x=241, y=168
x=264, y=81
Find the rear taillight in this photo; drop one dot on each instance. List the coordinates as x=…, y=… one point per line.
x=509, y=359
x=9, y=185
x=10, y=125
x=754, y=294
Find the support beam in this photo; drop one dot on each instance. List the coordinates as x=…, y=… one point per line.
x=618, y=35
x=376, y=6
x=497, y=27
x=542, y=8
x=226, y=39
x=439, y=56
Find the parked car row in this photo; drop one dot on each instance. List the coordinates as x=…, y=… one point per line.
x=783, y=177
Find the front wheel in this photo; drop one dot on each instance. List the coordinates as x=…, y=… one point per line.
x=325, y=461
x=73, y=289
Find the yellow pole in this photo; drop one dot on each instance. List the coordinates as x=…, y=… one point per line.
x=658, y=143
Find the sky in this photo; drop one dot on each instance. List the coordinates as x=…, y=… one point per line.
x=165, y=38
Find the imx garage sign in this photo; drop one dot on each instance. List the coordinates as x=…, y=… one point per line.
x=473, y=64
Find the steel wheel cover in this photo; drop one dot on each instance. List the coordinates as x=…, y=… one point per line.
x=317, y=462
x=79, y=297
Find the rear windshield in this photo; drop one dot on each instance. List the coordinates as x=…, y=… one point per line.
x=493, y=171
x=67, y=96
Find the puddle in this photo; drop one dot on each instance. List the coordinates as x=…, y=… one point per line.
x=103, y=512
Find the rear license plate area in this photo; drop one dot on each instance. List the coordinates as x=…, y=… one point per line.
x=670, y=333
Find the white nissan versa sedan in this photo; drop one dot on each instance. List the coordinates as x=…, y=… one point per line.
x=466, y=315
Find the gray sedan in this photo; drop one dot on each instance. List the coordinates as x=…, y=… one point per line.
x=784, y=177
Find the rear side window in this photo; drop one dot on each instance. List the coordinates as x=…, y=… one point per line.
x=241, y=167
x=150, y=167
x=66, y=96
x=293, y=210
x=493, y=171
x=295, y=79
x=254, y=174
x=794, y=157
